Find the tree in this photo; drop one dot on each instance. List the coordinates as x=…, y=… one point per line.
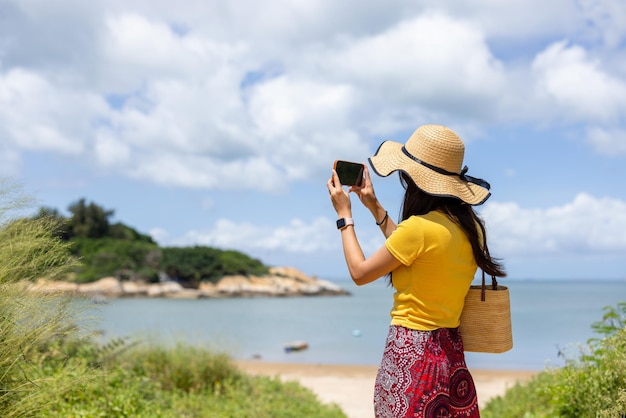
x=55, y=217
x=88, y=220
x=106, y=249
x=134, y=259
x=195, y=264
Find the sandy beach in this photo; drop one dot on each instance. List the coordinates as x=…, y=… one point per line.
x=351, y=386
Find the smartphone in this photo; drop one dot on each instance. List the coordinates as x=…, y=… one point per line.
x=350, y=174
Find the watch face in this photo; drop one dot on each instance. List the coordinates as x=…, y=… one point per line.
x=341, y=223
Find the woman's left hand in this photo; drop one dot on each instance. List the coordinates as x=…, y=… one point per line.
x=366, y=192
x=339, y=197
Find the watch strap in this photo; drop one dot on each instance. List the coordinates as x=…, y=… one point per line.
x=344, y=222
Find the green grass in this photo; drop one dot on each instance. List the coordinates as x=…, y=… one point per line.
x=593, y=384
x=182, y=381
x=48, y=370
x=51, y=368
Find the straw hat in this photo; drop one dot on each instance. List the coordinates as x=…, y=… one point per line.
x=433, y=158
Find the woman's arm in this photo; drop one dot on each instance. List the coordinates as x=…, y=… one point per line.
x=384, y=222
x=370, y=201
x=361, y=270
x=365, y=270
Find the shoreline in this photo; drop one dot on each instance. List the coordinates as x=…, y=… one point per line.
x=352, y=386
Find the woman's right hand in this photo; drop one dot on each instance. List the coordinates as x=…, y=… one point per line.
x=366, y=192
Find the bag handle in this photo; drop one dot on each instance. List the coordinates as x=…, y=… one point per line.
x=483, y=288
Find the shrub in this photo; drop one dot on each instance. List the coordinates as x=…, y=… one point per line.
x=199, y=263
x=51, y=368
x=110, y=257
x=29, y=248
x=592, y=385
x=31, y=328
x=182, y=381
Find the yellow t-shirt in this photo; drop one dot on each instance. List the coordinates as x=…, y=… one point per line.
x=437, y=269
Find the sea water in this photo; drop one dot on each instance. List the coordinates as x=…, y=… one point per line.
x=550, y=319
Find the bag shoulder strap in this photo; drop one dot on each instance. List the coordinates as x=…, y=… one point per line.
x=483, y=288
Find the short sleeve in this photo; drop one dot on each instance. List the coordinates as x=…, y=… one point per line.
x=406, y=243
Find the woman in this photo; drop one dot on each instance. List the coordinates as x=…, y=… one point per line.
x=432, y=256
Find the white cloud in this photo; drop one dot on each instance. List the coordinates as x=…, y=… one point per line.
x=608, y=141
x=303, y=125
x=588, y=226
x=532, y=21
x=139, y=50
x=577, y=84
x=159, y=235
x=607, y=18
x=281, y=105
x=428, y=56
x=424, y=66
x=262, y=95
x=110, y=151
x=193, y=122
x=35, y=114
x=206, y=172
x=297, y=236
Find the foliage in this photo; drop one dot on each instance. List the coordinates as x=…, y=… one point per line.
x=593, y=385
x=183, y=381
x=107, y=249
x=195, y=264
x=27, y=326
x=613, y=320
x=61, y=222
x=114, y=257
x=30, y=327
x=28, y=250
x=125, y=232
x=50, y=368
x=88, y=220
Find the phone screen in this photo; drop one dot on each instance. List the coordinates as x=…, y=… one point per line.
x=350, y=174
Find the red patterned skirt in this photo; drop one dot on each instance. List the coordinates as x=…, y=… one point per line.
x=423, y=374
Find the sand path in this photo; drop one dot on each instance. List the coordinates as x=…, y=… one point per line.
x=351, y=387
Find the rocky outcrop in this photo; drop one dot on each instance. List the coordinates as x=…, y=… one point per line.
x=280, y=282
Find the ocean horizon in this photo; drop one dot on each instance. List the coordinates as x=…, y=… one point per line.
x=551, y=320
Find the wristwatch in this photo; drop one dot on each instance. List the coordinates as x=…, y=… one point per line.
x=344, y=222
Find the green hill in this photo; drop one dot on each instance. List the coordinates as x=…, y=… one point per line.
x=106, y=249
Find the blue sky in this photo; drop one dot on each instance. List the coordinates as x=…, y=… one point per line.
x=217, y=123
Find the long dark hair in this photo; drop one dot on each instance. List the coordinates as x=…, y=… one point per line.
x=417, y=202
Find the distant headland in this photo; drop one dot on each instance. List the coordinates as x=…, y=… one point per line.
x=116, y=260
x=279, y=282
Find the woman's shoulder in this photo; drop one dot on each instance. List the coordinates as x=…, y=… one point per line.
x=430, y=217
x=434, y=221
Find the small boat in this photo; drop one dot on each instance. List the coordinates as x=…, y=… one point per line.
x=296, y=346
x=99, y=300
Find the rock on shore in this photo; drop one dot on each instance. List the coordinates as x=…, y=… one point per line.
x=280, y=282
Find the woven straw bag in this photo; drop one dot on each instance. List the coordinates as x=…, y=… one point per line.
x=486, y=319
